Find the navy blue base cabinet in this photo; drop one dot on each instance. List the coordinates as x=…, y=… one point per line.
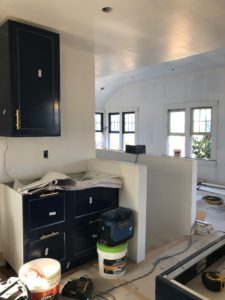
x=63, y=225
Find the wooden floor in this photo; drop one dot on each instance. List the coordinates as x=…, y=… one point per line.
x=6, y=272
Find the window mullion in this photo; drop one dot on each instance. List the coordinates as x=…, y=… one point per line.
x=214, y=131
x=188, y=126
x=121, y=130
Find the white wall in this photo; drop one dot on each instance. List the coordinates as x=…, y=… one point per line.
x=152, y=96
x=24, y=158
x=132, y=195
x=171, y=195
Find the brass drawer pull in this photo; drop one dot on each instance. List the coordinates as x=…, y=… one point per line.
x=43, y=237
x=49, y=194
x=94, y=221
x=17, y=119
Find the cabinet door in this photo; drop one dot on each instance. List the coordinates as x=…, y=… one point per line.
x=84, y=239
x=35, y=73
x=90, y=201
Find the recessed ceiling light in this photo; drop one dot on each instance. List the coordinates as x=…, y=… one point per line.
x=107, y=9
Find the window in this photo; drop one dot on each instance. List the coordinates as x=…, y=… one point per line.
x=201, y=132
x=128, y=129
x=99, y=122
x=99, y=135
x=176, y=137
x=122, y=127
x=114, y=131
x=191, y=130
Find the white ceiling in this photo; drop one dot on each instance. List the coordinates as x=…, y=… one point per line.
x=136, y=34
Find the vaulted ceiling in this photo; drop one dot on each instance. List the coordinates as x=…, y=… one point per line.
x=136, y=36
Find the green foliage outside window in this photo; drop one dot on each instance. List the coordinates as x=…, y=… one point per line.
x=201, y=147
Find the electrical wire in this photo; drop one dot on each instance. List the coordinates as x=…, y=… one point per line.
x=136, y=158
x=155, y=264
x=4, y=160
x=107, y=293
x=101, y=295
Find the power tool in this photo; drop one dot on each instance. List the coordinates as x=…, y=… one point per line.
x=213, y=281
x=116, y=226
x=80, y=288
x=213, y=199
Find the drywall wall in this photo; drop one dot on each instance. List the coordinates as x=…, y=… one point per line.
x=23, y=157
x=152, y=96
x=171, y=195
x=132, y=195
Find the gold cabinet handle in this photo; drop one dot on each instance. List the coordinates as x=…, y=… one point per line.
x=46, y=236
x=94, y=221
x=17, y=119
x=48, y=194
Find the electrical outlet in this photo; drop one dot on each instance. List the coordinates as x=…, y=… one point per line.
x=45, y=154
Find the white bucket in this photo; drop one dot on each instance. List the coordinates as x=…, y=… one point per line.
x=112, y=260
x=42, y=277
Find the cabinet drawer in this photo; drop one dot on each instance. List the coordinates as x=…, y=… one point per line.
x=94, y=200
x=51, y=245
x=44, y=211
x=84, y=239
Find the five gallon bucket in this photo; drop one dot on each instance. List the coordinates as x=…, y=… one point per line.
x=42, y=277
x=112, y=260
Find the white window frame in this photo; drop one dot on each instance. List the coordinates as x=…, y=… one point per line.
x=188, y=106
x=121, y=111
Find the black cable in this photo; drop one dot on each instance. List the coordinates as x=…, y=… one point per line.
x=106, y=294
x=136, y=158
x=101, y=295
x=160, y=259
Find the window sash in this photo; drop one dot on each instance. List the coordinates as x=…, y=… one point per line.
x=99, y=123
x=112, y=123
x=170, y=132
x=124, y=123
x=204, y=121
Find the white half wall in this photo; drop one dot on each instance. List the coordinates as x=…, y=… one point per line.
x=171, y=195
x=133, y=195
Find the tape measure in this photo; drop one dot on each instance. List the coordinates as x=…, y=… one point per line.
x=213, y=199
x=213, y=281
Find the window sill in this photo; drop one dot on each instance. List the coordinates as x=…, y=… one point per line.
x=206, y=163
x=200, y=162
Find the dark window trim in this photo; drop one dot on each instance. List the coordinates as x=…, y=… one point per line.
x=123, y=121
x=112, y=131
x=101, y=114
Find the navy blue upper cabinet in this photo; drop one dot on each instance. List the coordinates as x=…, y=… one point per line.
x=29, y=81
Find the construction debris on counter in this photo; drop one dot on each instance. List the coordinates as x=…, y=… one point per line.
x=77, y=181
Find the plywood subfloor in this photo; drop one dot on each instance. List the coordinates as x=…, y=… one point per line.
x=142, y=289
